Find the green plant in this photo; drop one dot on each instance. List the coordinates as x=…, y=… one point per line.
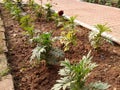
x=19, y=1
x=19, y=4
x=118, y=3
x=16, y=12
x=68, y=38
x=73, y=76
x=92, y=1
x=95, y=37
x=4, y=72
x=68, y=34
x=45, y=51
x=97, y=1
x=115, y=3
x=26, y=24
x=48, y=7
x=43, y=46
x=8, y=4
x=25, y=21
x=29, y=30
x=38, y=10
x=31, y=4
x=38, y=53
x=13, y=8
x=58, y=18
x=71, y=22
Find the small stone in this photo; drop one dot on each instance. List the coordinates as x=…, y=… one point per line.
x=14, y=35
x=114, y=89
x=114, y=51
x=23, y=80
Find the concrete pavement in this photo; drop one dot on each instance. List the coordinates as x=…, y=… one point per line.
x=89, y=14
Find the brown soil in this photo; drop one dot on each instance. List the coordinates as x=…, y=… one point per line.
x=40, y=77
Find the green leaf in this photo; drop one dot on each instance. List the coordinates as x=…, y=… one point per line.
x=102, y=28
x=95, y=37
x=99, y=85
x=37, y=53
x=73, y=76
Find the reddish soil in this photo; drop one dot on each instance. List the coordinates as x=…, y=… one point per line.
x=40, y=77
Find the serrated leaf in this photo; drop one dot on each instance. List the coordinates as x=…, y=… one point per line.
x=56, y=87
x=100, y=85
x=36, y=52
x=75, y=73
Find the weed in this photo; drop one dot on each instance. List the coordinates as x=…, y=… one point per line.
x=4, y=72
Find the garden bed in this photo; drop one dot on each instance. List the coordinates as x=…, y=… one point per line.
x=42, y=77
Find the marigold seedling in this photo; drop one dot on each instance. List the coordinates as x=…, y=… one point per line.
x=73, y=76
x=16, y=12
x=95, y=37
x=58, y=18
x=48, y=11
x=68, y=34
x=45, y=50
x=26, y=24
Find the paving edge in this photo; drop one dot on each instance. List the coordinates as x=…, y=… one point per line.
x=112, y=38
x=6, y=82
x=106, y=35
x=92, y=28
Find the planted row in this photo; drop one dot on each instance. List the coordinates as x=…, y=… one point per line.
x=73, y=75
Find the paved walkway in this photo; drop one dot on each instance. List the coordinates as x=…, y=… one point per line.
x=6, y=82
x=88, y=14
x=91, y=14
